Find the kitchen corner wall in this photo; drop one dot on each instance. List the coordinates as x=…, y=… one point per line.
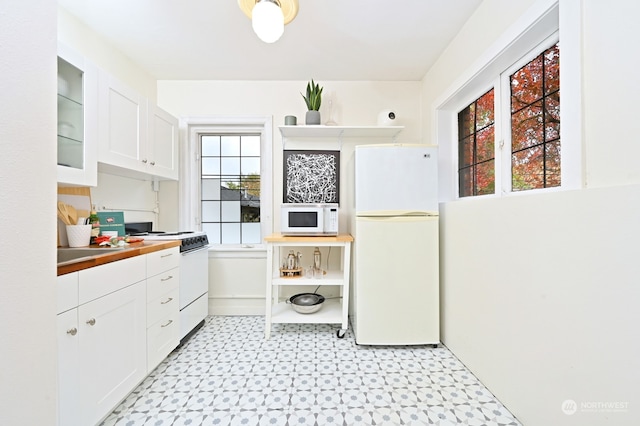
x=237, y=278
x=540, y=291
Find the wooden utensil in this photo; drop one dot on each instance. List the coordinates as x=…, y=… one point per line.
x=63, y=213
x=73, y=215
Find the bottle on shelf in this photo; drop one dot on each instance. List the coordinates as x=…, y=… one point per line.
x=94, y=221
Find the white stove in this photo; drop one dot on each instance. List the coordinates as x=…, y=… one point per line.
x=194, y=272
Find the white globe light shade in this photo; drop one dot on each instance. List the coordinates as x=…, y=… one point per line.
x=267, y=21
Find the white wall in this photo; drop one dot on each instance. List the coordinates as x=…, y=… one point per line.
x=75, y=34
x=28, y=357
x=539, y=291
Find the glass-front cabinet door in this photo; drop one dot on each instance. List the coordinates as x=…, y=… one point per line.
x=77, y=119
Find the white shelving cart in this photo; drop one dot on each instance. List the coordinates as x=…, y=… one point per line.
x=333, y=311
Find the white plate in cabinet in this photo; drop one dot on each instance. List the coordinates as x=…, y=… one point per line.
x=163, y=260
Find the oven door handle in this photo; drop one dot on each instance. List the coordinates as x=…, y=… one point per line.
x=184, y=253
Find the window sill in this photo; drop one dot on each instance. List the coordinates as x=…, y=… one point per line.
x=238, y=251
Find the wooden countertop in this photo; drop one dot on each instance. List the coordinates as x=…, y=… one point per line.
x=131, y=250
x=279, y=238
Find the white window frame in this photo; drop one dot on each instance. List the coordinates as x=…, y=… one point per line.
x=543, y=20
x=189, y=188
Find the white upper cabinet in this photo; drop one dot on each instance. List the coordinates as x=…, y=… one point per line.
x=137, y=139
x=77, y=119
x=162, y=146
x=122, y=124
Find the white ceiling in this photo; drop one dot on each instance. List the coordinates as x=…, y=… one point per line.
x=394, y=40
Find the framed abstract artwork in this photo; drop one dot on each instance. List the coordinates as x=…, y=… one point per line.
x=311, y=176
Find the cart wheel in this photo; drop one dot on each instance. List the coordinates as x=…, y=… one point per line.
x=341, y=333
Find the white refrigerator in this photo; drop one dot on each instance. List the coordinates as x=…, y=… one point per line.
x=395, y=291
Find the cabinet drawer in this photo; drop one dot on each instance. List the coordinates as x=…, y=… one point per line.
x=164, y=305
x=104, y=279
x=160, y=284
x=162, y=260
x=67, y=291
x=162, y=338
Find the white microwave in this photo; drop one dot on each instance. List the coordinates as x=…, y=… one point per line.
x=309, y=219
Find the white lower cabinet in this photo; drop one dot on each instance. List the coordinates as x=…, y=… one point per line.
x=115, y=323
x=112, y=349
x=69, y=408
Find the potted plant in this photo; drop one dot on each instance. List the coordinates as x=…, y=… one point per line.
x=313, y=99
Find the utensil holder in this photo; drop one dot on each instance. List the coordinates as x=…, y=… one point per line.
x=78, y=235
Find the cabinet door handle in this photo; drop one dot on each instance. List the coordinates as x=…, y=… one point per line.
x=167, y=301
x=92, y=321
x=73, y=331
x=153, y=163
x=166, y=279
x=144, y=161
x=167, y=324
x=166, y=255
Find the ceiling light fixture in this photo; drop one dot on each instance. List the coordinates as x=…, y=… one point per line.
x=268, y=17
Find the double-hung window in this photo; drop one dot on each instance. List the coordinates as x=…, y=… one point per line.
x=526, y=115
x=226, y=179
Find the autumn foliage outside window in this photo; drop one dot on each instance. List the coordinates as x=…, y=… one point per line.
x=476, y=142
x=535, y=123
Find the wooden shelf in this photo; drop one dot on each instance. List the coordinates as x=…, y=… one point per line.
x=338, y=132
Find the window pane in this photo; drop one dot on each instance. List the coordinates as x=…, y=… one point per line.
x=528, y=169
x=526, y=84
x=526, y=127
x=485, y=178
x=485, y=144
x=552, y=164
x=251, y=233
x=484, y=110
x=466, y=121
x=552, y=69
x=211, y=166
x=476, y=147
x=535, y=123
x=210, y=145
x=466, y=182
x=213, y=232
x=210, y=189
x=250, y=146
x=552, y=117
x=230, y=145
x=466, y=152
x=230, y=166
x=230, y=233
x=211, y=211
x=230, y=188
x=250, y=166
x=230, y=211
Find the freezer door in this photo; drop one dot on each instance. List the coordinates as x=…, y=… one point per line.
x=396, y=177
x=396, y=281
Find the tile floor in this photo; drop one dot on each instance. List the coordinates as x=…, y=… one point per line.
x=227, y=374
